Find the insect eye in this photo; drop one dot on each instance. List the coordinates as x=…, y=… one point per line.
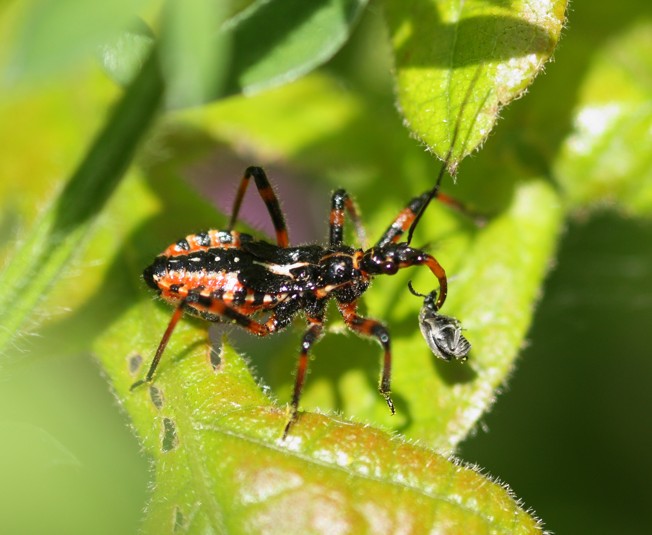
x=390, y=268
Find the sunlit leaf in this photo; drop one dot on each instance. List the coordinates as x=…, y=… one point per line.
x=608, y=156
x=495, y=286
x=123, y=55
x=214, y=436
x=221, y=465
x=458, y=62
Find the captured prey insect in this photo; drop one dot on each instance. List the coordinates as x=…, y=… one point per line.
x=443, y=334
x=226, y=275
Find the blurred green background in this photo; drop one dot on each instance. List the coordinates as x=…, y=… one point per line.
x=571, y=433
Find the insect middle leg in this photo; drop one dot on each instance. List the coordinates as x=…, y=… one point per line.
x=269, y=198
x=341, y=201
x=375, y=329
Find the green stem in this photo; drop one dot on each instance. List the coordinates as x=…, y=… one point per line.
x=58, y=234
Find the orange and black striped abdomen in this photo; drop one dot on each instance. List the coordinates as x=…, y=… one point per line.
x=199, y=273
x=202, y=241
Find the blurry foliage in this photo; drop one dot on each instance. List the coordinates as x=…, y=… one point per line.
x=92, y=190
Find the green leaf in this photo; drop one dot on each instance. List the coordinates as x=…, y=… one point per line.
x=495, y=286
x=123, y=56
x=222, y=467
x=278, y=41
x=457, y=63
x=54, y=34
x=608, y=156
x=215, y=437
x=61, y=229
x=195, y=57
x=271, y=43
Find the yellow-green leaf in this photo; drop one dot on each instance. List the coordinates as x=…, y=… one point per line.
x=608, y=156
x=458, y=62
x=222, y=467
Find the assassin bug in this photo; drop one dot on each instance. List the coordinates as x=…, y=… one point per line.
x=228, y=275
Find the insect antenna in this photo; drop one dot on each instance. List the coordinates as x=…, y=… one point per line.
x=413, y=291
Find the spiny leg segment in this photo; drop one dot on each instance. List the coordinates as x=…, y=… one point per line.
x=269, y=198
x=280, y=318
x=403, y=221
x=375, y=329
x=176, y=316
x=406, y=218
x=341, y=201
x=312, y=335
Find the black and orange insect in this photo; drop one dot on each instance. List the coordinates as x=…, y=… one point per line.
x=226, y=275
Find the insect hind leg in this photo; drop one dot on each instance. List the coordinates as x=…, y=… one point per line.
x=215, y=308
x=176, y=316
x=269, y=198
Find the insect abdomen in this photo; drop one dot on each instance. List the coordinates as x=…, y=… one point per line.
x=203, y=241
x=190, y=267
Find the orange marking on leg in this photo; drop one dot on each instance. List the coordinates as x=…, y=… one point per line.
x=376, y=329
x=336, y=218
x=439, y=272
x=267, y=194
x=282, y=238
x=313, y=334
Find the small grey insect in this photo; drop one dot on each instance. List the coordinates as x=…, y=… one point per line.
x=443, y=334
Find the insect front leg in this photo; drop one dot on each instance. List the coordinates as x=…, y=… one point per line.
x=408, y=217
x=403, y=221
x=479, y=219
x=377, y=330
x=438, y=272
x=269, y=198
